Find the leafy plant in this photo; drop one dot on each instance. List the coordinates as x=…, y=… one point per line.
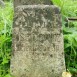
x=6, y=16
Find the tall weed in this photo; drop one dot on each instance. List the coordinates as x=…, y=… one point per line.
x=6, y=16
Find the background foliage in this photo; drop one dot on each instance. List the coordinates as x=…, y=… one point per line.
x=68, y=9
x=6, y=16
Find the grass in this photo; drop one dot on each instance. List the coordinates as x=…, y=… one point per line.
x=6, y=18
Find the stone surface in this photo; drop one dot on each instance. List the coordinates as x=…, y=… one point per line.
x=32, y=2
x=2, y=4
x=37, y=42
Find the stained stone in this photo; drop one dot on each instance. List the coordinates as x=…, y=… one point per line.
x=32, y=2
x=37, y=42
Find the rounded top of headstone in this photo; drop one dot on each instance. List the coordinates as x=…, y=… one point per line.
x=32, y=2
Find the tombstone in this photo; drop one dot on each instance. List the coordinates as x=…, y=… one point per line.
x=37, y=40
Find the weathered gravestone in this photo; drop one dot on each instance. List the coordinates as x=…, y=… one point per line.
x=37, y=41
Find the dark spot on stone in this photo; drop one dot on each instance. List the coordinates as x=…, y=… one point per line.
x=23, y=23
x=62, y=53
x=45, y=49
x=41, y=41
x=49, y=26
x=51, y=55
x=17, y=37
x=18, y=46
x=12, y=53
x=46, y=36
x=58, y=76
x=53, y=45
x=48, y=15
x=62, y=63
x=43, y=53
x=12, y=71
x=61, y=31
x=28, y=28
x=24, y=69
x=52, y=70
x=34, y=49
x=33, y=52
x=56, y=10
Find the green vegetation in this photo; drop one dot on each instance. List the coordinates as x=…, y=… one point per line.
x=68, y=9
x=6, y=16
